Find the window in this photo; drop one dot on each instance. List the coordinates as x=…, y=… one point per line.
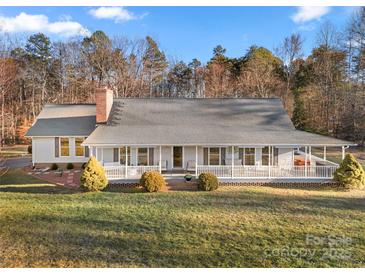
x=142, y=156
x=249, y=156
x=79, y=150
x=265, y=156
x=214, y=155
x=275, y=151
x=122, y=152
x=65, y=146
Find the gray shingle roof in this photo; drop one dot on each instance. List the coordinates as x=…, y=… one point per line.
x=202, y=122
x=64, y=120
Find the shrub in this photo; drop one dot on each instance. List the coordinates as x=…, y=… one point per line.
x=54, y=166
x=29, y=149
x=93, y=177
x=70, y=166
x=350, y=173
x=152, y=181
x=207, y=182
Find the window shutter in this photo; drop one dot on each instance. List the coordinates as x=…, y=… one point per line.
x=151, y=156
x=115, y=155
x=56, y=147
x=205, y=160
x=223, y=156
x=87, y=152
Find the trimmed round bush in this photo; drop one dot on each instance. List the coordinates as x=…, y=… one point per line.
x=207, y=182
x=54, y=166
x=152, y=181
x=70, y=166
x=350, y=173
x=93, y=177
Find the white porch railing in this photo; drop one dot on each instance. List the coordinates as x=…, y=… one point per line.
x=242, y=172
x=133, y=172
x=219, y=171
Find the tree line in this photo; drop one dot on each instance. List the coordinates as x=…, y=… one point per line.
x=323, y=92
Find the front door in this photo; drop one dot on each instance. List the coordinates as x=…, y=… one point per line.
x=177, y=157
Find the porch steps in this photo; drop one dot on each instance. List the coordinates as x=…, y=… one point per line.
x=180, y=185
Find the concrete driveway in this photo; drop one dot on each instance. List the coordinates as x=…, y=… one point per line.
x=17, y=162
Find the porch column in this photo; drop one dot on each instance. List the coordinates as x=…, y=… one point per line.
x=325, y=153
x=102, y=156
x=96, y=153
x=126, y=162
x=232, y=163
x=160, y=164
x=270, y=161
x=90, y=151
x=343, y=152
x=310, y=155
x=305, y=161
x=196, y=161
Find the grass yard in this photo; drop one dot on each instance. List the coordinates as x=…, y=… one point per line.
x=44, y=225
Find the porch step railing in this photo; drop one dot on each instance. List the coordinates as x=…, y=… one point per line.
x=238, y=172
x=133, y=172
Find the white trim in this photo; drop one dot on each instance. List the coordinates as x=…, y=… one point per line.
x=196, y=161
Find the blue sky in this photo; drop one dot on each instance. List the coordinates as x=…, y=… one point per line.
x=182, y=32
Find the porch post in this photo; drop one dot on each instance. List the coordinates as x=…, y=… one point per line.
x=126, y=162
x=102, y=156
x=305, y=161
x=232, y=163
x=325, y=153
x=310, y=155
x=270, y=161
x=90, y=151
x=196, y=161
x=96, y=153
x=160, y=165
x=343, y=152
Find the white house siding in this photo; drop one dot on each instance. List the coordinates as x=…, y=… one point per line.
x=44, y=152
x=285, y=157
x=108, y=155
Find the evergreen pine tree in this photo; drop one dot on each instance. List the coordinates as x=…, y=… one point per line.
x=299, y=117
x=93, y=178
x=350, y=173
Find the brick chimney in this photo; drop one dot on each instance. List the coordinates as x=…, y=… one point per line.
x=104, y=102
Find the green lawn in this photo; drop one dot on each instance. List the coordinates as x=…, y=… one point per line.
x=44, y=225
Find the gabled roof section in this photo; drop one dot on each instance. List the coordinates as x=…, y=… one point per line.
x=64, y=120
x=155, y=121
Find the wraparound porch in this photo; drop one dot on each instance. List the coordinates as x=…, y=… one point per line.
x=249, y=162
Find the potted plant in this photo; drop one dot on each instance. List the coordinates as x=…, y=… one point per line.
x=188, y=177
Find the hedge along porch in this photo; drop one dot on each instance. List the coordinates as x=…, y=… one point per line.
x=258, y=162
